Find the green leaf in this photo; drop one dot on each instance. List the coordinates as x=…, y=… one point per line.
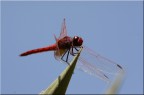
x=59, y=86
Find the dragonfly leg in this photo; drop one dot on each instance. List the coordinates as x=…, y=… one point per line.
x=74, y=53
x=76, y=49
x=67, y=55
x=70, y=51
x=64, y=55
x=62, y=58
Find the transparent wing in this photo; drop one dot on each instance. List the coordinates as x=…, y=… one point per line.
x=57, y=52
x=63, y=32
x=91, y=69
x=97, y=65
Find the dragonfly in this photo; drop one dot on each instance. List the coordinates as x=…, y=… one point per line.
x=90, y=61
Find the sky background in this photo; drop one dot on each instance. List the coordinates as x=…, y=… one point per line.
x=113, y=29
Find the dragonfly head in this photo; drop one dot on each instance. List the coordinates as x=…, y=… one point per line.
x=77, y=41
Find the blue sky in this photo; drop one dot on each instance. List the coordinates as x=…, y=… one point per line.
x=114, y=29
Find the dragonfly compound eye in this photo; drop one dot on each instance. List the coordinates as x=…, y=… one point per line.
x=77, y=41
x=80, y=41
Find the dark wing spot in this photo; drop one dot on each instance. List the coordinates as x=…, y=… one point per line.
x=106, y=76
x=119, y=66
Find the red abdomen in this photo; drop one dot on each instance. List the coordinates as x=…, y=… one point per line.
x=49, y=48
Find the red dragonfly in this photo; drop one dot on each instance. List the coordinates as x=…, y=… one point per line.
x=66, y=46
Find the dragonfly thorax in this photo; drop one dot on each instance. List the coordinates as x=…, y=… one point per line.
x=77, y=41
x=65, y=43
